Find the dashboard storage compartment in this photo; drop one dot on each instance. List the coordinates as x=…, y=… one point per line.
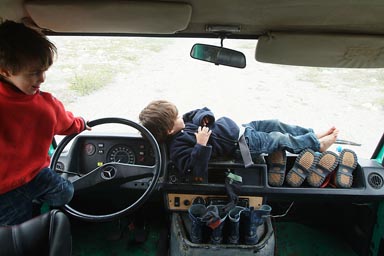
x=181, y=244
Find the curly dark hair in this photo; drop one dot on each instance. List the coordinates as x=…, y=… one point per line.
x=21, y=45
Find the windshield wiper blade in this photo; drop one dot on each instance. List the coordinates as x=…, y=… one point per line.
x=347, y=142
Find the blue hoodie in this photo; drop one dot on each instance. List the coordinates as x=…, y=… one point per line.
x=191, y=157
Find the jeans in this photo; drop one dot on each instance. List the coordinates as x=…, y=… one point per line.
x=47, y=187
x=268, y=136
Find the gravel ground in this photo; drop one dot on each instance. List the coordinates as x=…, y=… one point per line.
x=350, y=100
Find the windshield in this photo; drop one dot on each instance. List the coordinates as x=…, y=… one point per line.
x=99, y=77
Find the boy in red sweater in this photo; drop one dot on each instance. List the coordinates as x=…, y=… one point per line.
x=29, y=120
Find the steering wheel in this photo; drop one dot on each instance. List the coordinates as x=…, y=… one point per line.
x=113, y=171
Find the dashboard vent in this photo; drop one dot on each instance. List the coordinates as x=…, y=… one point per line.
x=375, y=180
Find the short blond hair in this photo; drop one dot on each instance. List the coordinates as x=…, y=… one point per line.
x=159, y=117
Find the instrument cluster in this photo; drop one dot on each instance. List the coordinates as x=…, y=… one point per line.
x=98, y=150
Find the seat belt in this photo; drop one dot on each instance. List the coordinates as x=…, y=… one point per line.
x=244, y=150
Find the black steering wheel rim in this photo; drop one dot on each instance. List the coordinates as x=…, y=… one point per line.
x=147, y=193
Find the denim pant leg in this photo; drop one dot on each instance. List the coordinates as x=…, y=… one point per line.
x=275, y=125
x=47, y=186
x=268, y=136
x=15, y=207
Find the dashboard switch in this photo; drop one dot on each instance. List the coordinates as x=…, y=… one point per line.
x=177, y=201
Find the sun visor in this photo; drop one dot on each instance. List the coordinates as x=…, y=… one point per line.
x=321, y=50
x=110, y=16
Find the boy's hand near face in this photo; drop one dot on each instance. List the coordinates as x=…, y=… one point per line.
x=202, y=135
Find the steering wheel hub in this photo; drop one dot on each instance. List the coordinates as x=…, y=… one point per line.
x=108, y=172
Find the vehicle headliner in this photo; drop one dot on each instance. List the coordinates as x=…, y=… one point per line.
x=203, y=18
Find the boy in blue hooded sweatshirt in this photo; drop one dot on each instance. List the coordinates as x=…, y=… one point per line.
x=197, y=136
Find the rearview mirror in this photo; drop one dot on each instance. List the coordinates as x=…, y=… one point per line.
x=218, y=55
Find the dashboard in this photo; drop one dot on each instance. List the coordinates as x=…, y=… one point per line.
x=91, y=151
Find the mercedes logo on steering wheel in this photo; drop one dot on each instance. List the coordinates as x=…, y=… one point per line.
x=108, y=173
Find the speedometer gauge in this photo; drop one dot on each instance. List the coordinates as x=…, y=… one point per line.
x=121, y=154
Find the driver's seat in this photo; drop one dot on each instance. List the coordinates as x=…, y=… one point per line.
x=47, y=234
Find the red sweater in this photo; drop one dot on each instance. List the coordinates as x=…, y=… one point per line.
x=28, y=124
